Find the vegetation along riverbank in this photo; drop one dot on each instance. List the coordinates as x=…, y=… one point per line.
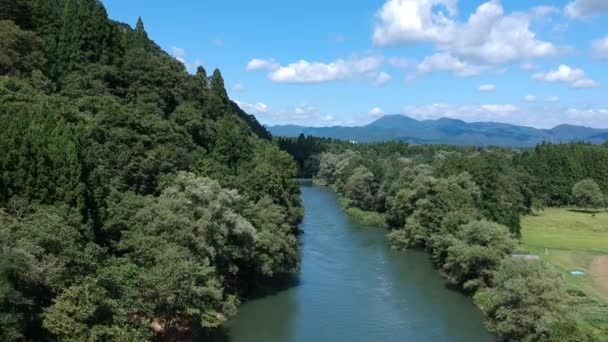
x=475, y=210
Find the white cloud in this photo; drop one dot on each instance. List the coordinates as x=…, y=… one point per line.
x=447, y=62
x=585, y=83
x=552, y=99
x=544, y=10
x=565, y=74
x=318, y=72
x=484, y=112
x=600, y=48
x=585, y=8
x=399, y=62
x=253, y=108
x=412, y=21
x=531, y=115
x=527, y=66
x=376, y=112
x=258, y=64
x=382, y=79
x=487, y=88
x=301, y=114
x=238, y=87
x=597, y=117
x=488, y=38
x=530, y=98
x=179, y=54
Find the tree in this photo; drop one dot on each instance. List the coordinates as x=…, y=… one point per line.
x=21, y=51
x=18, y=11
x=194, y=241
x=528, y=302
x=87, y=312
x=475, y=252
x=362, y=188
x=587, y=194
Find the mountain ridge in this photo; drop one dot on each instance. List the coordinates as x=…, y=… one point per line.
x=447, y=131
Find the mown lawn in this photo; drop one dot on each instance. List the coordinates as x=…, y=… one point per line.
x=566, y=229
x=570, y=240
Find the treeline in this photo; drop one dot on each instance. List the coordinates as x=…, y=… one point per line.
x=463, y=206
x=137, y=201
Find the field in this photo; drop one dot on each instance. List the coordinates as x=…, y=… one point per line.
x=572, y=240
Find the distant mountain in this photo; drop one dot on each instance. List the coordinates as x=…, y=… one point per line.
x=447, y=131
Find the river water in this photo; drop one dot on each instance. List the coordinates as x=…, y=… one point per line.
x=353, y=287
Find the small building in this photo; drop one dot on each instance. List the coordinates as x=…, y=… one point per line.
x=525, y=257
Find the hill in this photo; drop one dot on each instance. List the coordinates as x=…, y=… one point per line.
x=137, y=201
x=447, y=131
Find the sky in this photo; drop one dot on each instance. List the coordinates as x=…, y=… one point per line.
x=537, y=63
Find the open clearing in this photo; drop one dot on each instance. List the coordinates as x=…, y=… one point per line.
x=571, y=240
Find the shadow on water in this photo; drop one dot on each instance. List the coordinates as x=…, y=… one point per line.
x=271, y=287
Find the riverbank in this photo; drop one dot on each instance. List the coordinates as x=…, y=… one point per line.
x=354, y=287
x=593, y=313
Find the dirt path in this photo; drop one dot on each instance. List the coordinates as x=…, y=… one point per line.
x=599, y=273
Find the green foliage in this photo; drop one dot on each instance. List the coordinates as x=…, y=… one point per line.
x=556, y=168
x=104, y=233
x=475, y=252
x=362, y=188
x=587, y=194
x=21, y=51
x=463, y=205
x=529, y=303
x=87, y=312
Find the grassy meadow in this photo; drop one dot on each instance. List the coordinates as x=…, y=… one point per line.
x=571, y=239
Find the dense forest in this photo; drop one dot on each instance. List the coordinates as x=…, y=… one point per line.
x=463, y=205
x=137, y=201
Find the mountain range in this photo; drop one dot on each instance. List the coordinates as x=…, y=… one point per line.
x=447, y=131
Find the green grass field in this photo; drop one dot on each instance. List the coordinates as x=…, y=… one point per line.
x=367, y=218
x=571, y=240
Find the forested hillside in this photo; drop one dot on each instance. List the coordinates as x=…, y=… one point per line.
x=137, y=201
x=448, y=131
x=463, y=205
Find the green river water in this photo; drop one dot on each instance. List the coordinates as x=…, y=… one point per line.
x=353, y=287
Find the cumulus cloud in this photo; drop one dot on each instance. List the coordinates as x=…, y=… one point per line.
x=552, y=99
x=258, y=64
x=529, y=115
x=398, y=62
x=179, y=54
x=318, y=72
x=488, y=38
x=585, y=8
x=486, y=88
x=484, y=112
x=565, y=74
x=600, y=48
x=596, y=117
x=238, y=87
x=447, y=62
x=544, y=10
x=253, y=108
x=381, y=79
x=530, y=98
x=376, y=112
x=527, y=66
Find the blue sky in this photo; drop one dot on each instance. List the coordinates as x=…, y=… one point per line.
x=536, y=63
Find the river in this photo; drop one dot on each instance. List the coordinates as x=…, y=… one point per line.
x=353, y=287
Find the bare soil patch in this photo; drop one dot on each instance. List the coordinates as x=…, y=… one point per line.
x=599, y=273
